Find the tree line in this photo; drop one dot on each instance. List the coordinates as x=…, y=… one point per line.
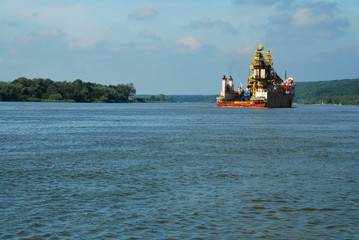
x=154, y=98
x=345, y=92
x=39, y=89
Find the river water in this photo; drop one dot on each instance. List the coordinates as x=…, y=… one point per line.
x=178, y=171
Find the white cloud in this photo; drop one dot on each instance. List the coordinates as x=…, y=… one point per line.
x=85, y=44
x=244, y=50
x=261, y=2
x=306, y=16
x=48, y=32
x=208, y=23
x=188, y=45
x=144, y=13
x=148, y=35
x=114, y=49
x=72, y=21
x=310, y=21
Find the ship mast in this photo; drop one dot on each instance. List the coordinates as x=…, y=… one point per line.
x=262, y=70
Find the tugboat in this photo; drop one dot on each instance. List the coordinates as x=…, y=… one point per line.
x=264, y=87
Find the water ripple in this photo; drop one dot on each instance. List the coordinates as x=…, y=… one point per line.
x=169, y=171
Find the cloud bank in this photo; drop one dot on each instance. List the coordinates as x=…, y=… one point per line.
x=143, y=13
x=188, y=45
x=316, y=20
x=207, y=23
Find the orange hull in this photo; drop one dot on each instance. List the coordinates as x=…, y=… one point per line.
x=274, y=100
x=238, y=104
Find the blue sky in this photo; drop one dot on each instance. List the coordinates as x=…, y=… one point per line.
x=176, y=47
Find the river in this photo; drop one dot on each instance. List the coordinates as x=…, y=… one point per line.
x=178, y=171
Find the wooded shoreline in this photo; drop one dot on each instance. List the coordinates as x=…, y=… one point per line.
x=47, y=90
x=336, y=92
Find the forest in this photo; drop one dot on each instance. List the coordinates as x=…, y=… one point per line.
x=39, y=89
x=345, y=92
x=152, y=98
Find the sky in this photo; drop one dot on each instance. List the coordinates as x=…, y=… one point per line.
x=177, y=46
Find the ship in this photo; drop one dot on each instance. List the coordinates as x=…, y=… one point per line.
x=265, y=88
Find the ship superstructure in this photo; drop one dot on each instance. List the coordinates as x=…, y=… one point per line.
x=264, y=87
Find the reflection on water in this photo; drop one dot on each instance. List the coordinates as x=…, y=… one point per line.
x=178, y=171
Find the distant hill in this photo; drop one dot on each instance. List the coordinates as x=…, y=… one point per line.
x=176, y=98
x=194, y=98
x=344, y=92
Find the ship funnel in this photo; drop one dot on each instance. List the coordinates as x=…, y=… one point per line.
x=231, y=86
x=224, y=84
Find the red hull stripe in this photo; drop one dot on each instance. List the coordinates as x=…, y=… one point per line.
x=261, y=105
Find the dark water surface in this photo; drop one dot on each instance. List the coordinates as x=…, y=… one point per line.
x=178, y=171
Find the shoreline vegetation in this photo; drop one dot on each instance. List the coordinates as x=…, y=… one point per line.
x=47, y=90
x=334, y=92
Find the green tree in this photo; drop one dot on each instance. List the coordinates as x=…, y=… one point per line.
x=23, y=89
